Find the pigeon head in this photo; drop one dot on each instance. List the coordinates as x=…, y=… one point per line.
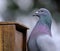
x=42, y=12
x=44, y=16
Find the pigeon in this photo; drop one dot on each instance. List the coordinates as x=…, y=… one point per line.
x=41, y=38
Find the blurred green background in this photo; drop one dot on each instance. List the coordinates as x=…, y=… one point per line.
x=11, y=8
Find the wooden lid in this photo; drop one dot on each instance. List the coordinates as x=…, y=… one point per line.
x=14, y=23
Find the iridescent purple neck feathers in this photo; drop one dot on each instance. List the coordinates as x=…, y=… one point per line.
x=40, y=29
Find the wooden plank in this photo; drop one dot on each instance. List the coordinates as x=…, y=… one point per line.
x=18, y=41
x=1, y=39
x=14, y=23
x=9, y=37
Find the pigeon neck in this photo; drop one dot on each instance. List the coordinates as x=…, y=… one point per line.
x=44, y=22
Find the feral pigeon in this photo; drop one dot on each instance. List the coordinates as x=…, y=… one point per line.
x=40, y=38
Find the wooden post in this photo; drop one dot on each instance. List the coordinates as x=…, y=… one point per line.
x=12, y=37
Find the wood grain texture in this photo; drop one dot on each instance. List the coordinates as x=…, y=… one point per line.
x=14, y=23
x=1, y=39
x=18, y=41
x=12, y=36
x=7, y=37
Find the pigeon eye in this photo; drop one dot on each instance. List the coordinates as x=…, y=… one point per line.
x=42, y=11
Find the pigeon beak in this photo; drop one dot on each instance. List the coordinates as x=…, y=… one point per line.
x=35, y=14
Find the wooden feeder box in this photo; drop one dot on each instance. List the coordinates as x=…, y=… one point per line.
x=12, y=36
